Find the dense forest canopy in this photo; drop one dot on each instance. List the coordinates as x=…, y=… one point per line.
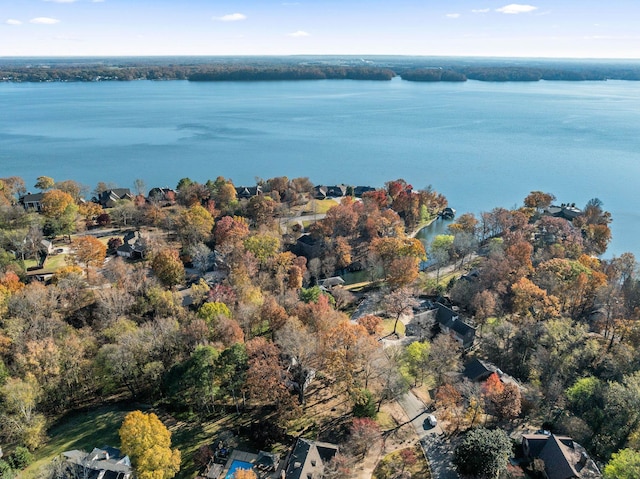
x=308, y=68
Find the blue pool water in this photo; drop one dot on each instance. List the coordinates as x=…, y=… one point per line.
x=235, y=465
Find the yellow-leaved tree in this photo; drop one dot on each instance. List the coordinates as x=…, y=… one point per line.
x=147, y=442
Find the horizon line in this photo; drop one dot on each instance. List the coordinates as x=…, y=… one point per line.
x=504, y=57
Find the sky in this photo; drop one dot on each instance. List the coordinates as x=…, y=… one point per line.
x=544, y=28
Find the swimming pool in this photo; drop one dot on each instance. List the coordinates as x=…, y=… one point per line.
x=235, y=465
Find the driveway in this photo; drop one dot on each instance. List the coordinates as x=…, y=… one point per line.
x=439, y=451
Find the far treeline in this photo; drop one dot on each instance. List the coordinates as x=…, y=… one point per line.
x=280, y=69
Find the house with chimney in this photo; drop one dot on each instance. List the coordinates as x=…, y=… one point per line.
x=558, y=457
x=309, y=458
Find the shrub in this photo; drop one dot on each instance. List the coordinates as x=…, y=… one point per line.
x=364, y=404
x=20, y=458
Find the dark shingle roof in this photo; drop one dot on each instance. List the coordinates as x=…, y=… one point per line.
x=308, y=459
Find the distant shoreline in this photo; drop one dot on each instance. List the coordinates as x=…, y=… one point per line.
x=42, y=70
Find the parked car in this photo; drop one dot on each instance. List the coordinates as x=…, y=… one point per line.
x=431, y=419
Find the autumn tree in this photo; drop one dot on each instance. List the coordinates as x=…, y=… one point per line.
x=18, y=413
x=168, y=268
x=60, y=209
x=400, y=258
x=539, y=200
x=508, y=404
x=399, y=302
x=194, y=225
x=449, y=400
x=373, y=324
x=530, y=300
x=230, y=230
x=264, y=246
x=363, y=434
x=297, y=341
x=72, y=187
x=445, y=357
x=267, y=377
x=241, y=473
x=44, y=183
x=261, y=209
x=88, y=251
x=147, y=442
x=347, y=348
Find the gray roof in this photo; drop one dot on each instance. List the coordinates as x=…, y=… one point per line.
x=451, y=320
x=563, y=458
x=308, y=458
x=31, y=197
x=556, y=457
x=476, y=370
x=101, y=463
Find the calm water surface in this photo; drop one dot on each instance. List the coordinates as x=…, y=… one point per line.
x=481, y=144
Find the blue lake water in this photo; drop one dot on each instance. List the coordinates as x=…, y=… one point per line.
x=481, y=144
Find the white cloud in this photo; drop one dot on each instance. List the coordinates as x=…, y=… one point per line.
x=61, y=1
x=299, y=33
x=515, y=8
x=232, y=17
x=481, y=10
x=452, y=15
x=44, y=21
x=13, y=21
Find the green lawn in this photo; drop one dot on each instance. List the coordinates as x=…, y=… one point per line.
x=84, y=430
x=52, y=264
x=387, y=327
x=319, y=206
x=392, y=464
x=99, y=427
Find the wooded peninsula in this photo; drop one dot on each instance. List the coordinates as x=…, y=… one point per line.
x=286, y=329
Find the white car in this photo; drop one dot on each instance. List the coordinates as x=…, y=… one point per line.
x=431, y=419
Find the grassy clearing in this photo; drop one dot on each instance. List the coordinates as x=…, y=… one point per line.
x=84, y=431
x=392, y=464
x=52, y=264
x=318, y=206
x=387, y=327
x=99, y=427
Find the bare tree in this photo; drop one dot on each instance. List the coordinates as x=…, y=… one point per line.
x=399, y=302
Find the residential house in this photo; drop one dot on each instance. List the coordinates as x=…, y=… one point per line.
x=566, y=211
x=246, y=192
x=109, y=198
x=165, y=196
x=335, y=191
x=308, y=246
x=32, y=202
x=450, y=323
x=329, y=283
x=558, y=457
x=309, y=458
x=358, y=191
x=103, y=463
x=134, y=246
x=479, y=371
x=421, y=324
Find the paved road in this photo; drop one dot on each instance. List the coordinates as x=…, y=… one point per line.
x=438, y=450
